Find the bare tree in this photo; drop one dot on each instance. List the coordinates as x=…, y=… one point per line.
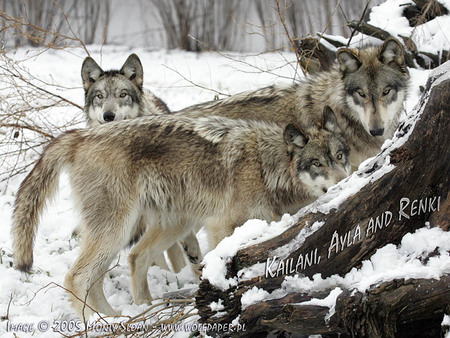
x=195, y=25
x=41, y=21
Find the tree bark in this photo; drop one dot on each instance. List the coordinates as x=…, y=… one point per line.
x=380, y=213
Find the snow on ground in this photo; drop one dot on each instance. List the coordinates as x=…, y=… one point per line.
x=38, y=297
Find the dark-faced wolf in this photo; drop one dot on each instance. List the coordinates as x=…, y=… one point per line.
x=177, y=173
x=366, y=90
x=116, y=95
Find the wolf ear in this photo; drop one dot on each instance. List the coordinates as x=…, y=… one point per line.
x=90, y=72
x=348, y=61
x=294, y=137
x=132, y=69
x=391, y=54
x=329, y=121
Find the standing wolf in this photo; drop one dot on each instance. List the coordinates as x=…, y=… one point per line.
x=366, y=91
x=117, y=95
x=177, y=173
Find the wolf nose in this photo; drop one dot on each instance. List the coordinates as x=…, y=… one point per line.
x=108, y=116
x=377, y=132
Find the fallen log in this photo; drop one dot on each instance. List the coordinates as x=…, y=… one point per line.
x=359, y=314
x=423, y=11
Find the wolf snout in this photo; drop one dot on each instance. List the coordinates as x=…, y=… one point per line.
x=109, y=116
x=377, y=132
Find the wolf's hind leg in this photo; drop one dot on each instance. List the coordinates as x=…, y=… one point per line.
x=193, y=252
x=175, y=254
x=160, y=261
x=151, y=245
x=85, y=278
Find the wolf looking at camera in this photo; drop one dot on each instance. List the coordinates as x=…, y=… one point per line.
x=177, y=173
x=366, y=90
x=116, y=95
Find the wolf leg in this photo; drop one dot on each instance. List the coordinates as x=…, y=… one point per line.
x=193, y=252
x=176, y=257
x=160, y=261
x=140, y=229
x=151, y=245
x=219, y=230
x=103, y=236
x=85, y=278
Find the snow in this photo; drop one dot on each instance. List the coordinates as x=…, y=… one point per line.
x=446, y=325
x=430, y=37
x=252, y=296
x=446, y=321
x=250, y=233
x=39, y=296
x=217, y=306
x=329, y=302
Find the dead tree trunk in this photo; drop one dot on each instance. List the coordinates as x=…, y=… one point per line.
x=381, y=212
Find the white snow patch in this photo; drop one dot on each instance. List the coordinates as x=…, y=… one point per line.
x=446, y=320
x=446, y=323
x=329, y=302
x=252, y=296
x=252, y=232
x=217, y=306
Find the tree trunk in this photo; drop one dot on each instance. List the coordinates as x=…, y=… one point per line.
x=381, y=212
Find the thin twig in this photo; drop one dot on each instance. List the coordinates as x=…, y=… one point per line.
x=195, y=84
x=359, y=23
x=291, y=40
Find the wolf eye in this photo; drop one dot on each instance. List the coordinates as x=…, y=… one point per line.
x=339, y=156
x=123, y=94
x=100, y=96
x=386, y=91
x=361, y=93
x=316, y=163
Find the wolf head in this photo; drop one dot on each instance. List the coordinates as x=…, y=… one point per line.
x=375, y=81
x=319, y=156
x=112, y=95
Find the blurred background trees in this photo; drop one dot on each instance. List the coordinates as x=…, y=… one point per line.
x=193, y=25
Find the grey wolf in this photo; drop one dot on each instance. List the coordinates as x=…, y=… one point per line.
x=366, y=90
x=116, y=95
x=176, y=173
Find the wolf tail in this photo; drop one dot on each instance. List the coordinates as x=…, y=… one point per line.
x=40, y=185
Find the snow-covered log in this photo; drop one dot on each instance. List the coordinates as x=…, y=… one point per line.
x=403, y=189
x=319, y=54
